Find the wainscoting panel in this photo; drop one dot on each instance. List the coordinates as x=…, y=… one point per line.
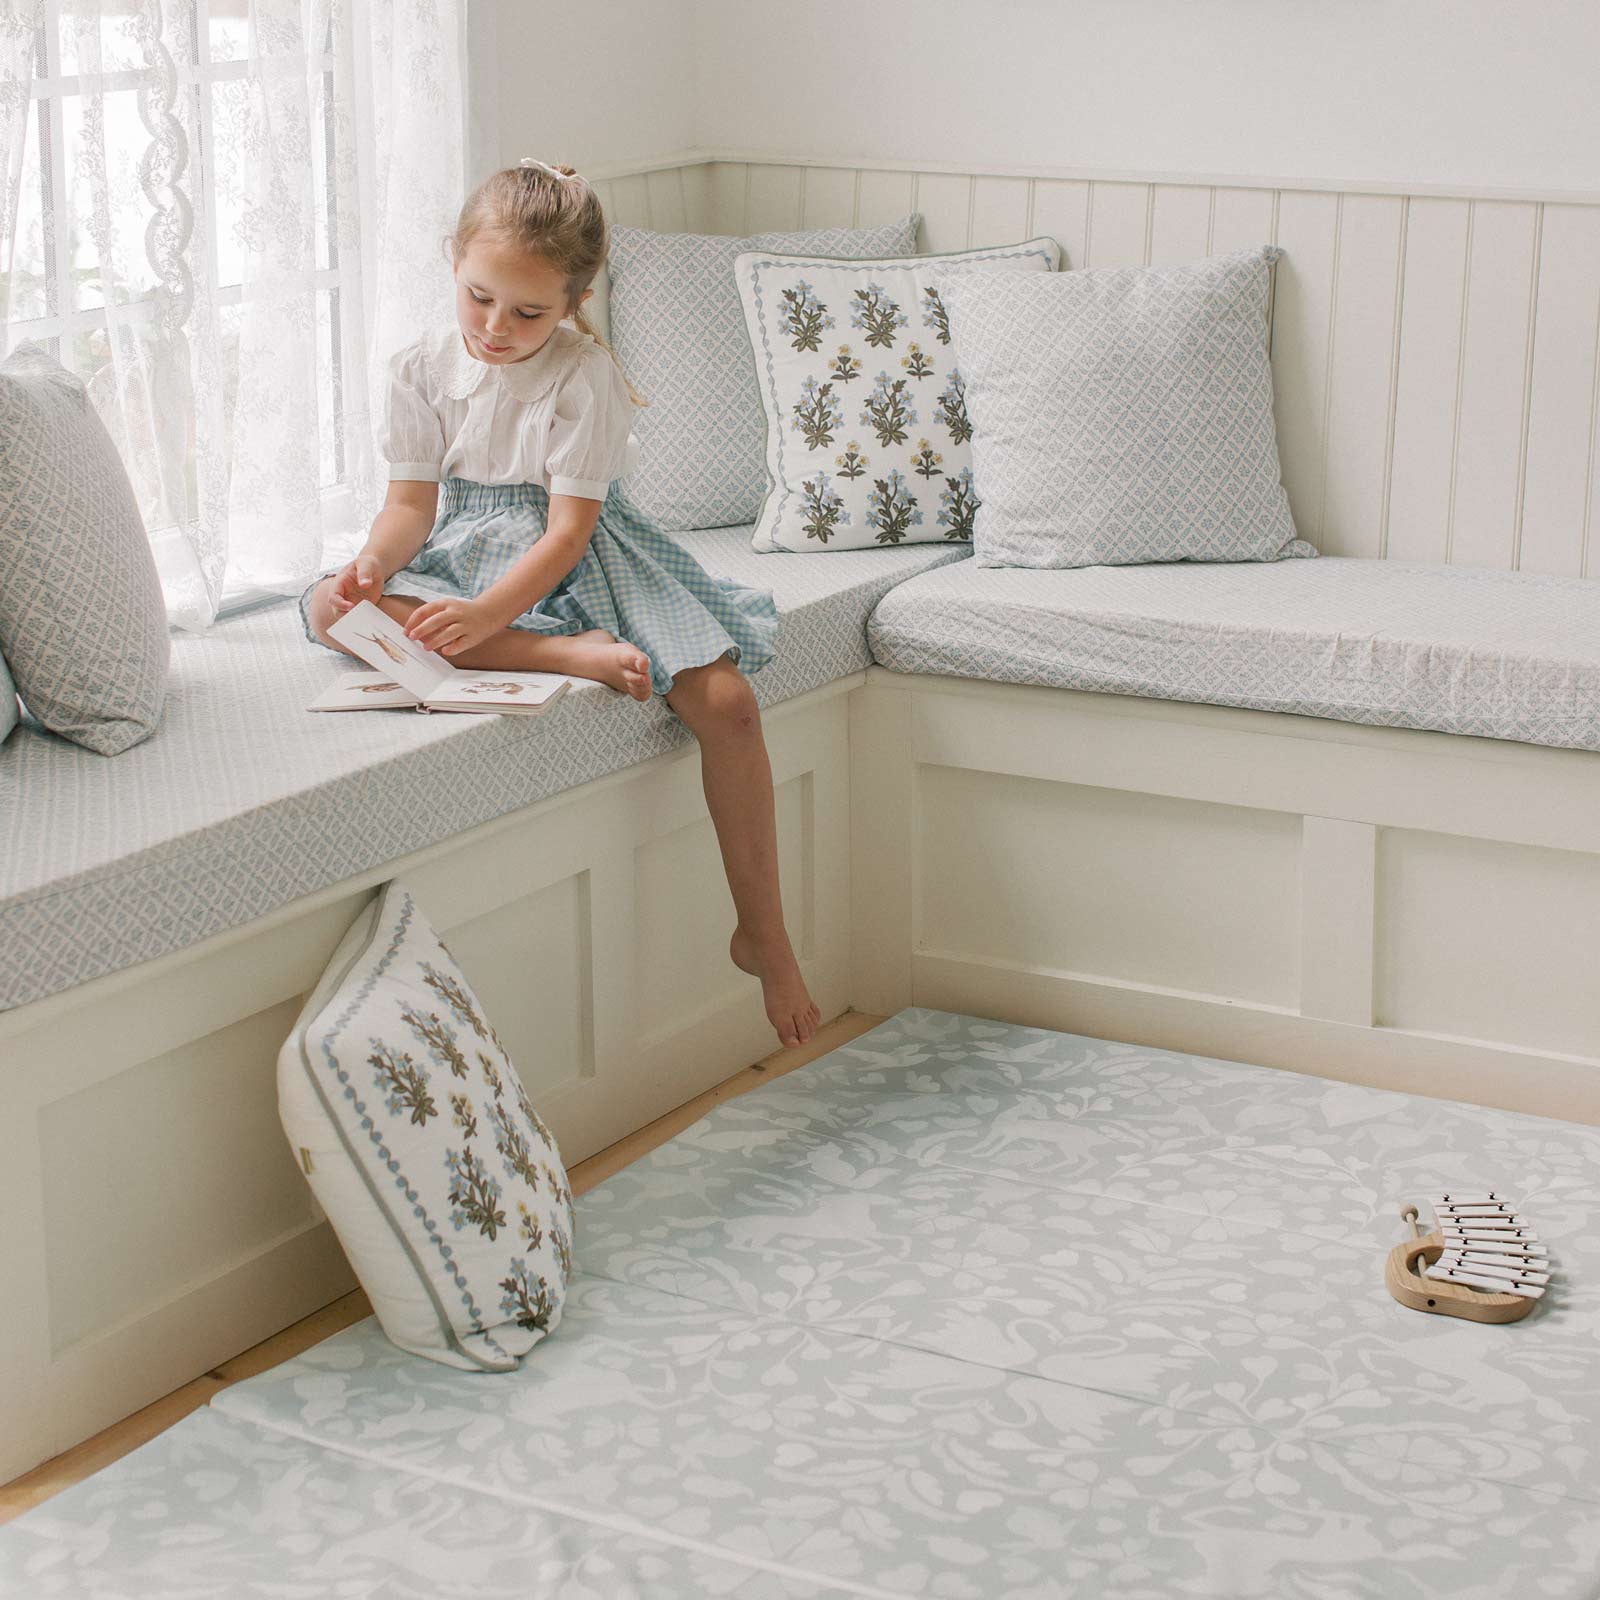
x=1126, y=887
x=1398, y=908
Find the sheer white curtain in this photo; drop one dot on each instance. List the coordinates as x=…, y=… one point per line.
x=224, y=215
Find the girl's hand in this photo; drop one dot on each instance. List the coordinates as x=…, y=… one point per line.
x=451, y=626
x=361, y=580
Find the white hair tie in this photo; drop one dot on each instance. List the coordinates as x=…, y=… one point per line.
x=544, y=166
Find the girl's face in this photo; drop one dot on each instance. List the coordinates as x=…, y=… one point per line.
x=507, y=302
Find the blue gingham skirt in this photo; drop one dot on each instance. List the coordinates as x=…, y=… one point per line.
x=633, y=580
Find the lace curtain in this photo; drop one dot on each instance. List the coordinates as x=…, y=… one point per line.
x=224, y=215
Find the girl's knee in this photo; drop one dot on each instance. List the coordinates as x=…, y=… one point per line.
x=717, y=701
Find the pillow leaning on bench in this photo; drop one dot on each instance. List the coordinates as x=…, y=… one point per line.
x=418, y=1140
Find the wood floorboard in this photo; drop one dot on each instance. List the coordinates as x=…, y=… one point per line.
x=82, y=1460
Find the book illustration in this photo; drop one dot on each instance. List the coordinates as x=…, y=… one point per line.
x=383, y=644
x=363, y=691
x=486, y=686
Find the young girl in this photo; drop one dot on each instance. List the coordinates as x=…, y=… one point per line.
x=531, y=562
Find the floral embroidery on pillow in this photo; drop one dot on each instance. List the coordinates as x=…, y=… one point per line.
x=897, y=445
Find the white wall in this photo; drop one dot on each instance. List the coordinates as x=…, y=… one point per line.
x=1474, y=93
x=597, y=84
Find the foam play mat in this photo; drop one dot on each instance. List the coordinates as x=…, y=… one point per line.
x=962, y=1310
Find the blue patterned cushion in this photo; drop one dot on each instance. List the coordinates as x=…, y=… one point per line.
x=678, y=330
x=82, y=619
x=1502, y=655
x=413, y=1128
x=1123, y=415
x=867, y=429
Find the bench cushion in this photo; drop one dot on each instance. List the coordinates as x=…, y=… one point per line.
x=243, y=801
x=1505, y=655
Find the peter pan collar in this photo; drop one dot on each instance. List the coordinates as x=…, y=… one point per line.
x=461, y=374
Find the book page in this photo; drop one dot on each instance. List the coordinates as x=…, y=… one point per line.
x=381, y=642
x=362, y=691
x=484, y=691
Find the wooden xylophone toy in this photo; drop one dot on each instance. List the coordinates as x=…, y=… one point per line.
x=1481, y=1261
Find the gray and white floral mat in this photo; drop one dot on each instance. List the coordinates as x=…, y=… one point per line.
x=962, y=1310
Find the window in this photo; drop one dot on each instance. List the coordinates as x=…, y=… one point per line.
x=149, y=217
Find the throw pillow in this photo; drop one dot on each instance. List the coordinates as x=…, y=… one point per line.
x=413, y=1128
x=867, y=429
x=82, y=621
x=1122, y=415
x=678, y=330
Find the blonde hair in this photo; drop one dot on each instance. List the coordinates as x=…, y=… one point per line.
x=549, y=212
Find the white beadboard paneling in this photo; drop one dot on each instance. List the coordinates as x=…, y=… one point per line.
x=1425, y=398
x=630, y=201
x=830, y=197
x=884, y=197
x=1061, y=212
x=1436, y=355
x=729, y=189
x=1361, y=376
x=1241, y=219
x=1494, y=366
x=1561, y=410
x=773, y=199
x=1308, y=231
x=1119, y=225
x=669, y=211
x=945, y=201
x=695, y=182
x=1180, y=228
x=999, y=211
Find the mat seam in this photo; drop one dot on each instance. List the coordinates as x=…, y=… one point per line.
x=614, y=1524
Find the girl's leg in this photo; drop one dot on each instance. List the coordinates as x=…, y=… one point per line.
x=718, y=706
x=595, y=654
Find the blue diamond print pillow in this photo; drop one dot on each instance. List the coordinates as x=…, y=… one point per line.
x=417, y=1137
x=678, y=329
x=1122, y=414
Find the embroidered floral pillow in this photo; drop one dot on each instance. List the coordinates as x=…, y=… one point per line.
x=868, y=439
x=413, y=1128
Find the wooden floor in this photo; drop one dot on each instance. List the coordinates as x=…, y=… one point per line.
x=89, y=1457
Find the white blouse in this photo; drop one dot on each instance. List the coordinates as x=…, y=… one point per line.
x=561, y=418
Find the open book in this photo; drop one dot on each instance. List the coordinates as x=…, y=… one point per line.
x=411, y=675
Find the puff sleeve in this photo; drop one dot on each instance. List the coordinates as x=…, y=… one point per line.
x=589, y=442
x=412, y=439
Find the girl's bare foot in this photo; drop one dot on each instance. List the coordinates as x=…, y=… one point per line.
x=790, y=1008
x=598, y=654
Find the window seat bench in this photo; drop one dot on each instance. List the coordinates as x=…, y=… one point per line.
x=1500, y=655
x=241, y=802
